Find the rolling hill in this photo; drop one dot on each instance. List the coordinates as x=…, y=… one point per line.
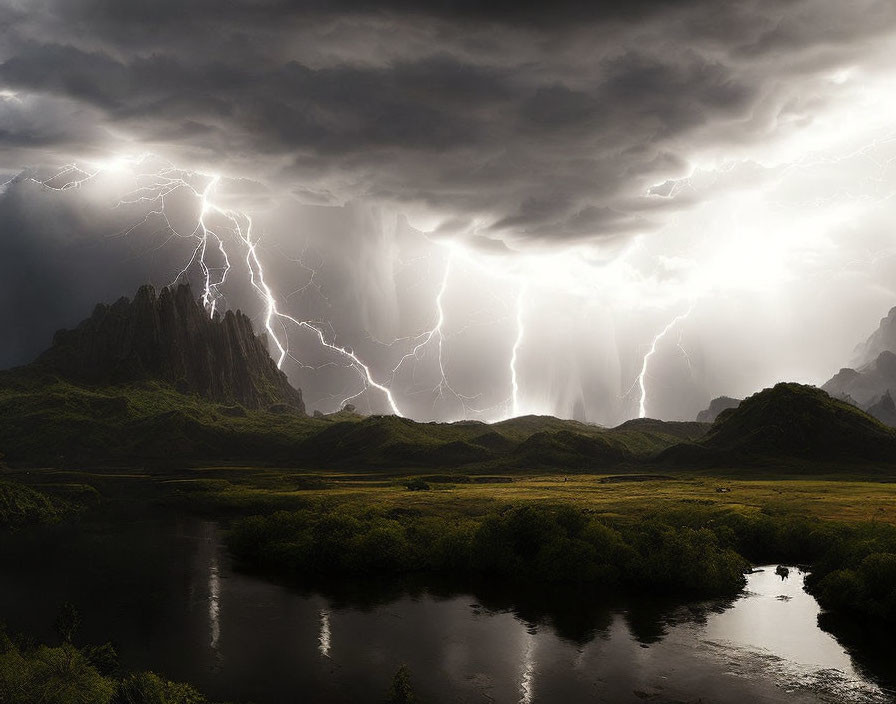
x=791, y=422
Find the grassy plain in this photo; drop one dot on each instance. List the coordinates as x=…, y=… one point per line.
x=235, y=490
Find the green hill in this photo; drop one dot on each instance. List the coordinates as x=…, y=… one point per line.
x=47, y=420
x=791, y=422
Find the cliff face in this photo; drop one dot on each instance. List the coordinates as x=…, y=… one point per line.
x=170, y=337
x=716, y=406
x=867, y=386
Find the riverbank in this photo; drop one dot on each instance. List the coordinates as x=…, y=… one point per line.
x=610, y=535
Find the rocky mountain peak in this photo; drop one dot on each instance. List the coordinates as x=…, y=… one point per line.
x=881, y=340
x=170, y=337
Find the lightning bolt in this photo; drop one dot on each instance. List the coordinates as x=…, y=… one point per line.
x=642, y=377
x=514, y=356
x=436, y=334
x=153, y=189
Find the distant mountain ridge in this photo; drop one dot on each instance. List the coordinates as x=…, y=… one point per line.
x=170, y=337
x=881, y=340
x=871, y=382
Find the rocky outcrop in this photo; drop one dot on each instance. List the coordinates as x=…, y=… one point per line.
x=170, y=337
x=716, y=406
x=867, y=384
x=884, y=409
x=882, y=340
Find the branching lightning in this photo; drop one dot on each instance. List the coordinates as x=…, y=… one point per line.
x=437, y=333
x=153, y=188
x=642, y=376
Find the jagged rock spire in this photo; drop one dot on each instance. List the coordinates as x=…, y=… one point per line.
x=171, y=338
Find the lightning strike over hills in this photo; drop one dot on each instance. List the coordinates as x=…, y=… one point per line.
x=642, y=376
x=514, y=357
x=434, y=332
x=153, y=188
x=437, y=333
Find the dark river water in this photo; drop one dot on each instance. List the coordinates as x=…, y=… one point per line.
x=166, y=593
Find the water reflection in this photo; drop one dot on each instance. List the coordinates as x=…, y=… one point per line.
x=323, y=639
x=214, y=594
x=270, y=641
x=527, y=683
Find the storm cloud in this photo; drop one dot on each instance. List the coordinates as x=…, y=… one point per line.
x=601, y=167
x=517, y=121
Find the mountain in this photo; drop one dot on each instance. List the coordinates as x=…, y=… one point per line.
x=171, y=338
x=156, y=381
x=884, y=409
x=871, y=381
x=792, y=421
x=881, y=340
x=716, y=406
x=867, y=384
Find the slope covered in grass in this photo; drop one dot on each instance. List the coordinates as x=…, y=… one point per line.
x=45, y=419
x=792, y=422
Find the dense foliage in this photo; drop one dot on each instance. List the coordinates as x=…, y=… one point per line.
x=557, y=544
x=687, y=551
x=66, y=674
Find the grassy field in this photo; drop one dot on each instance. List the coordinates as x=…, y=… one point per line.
x=236, y=490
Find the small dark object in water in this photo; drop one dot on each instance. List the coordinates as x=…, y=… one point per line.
x=782, y=571
x=723, y=490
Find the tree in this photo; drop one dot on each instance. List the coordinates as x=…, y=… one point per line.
x=401, y=691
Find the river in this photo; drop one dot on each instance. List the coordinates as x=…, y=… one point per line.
x=165, y=592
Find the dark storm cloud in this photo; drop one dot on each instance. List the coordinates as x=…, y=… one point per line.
x=546, y=122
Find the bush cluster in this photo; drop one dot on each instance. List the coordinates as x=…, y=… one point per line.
x=692, y=551
x=556, y=544
x=66, y=674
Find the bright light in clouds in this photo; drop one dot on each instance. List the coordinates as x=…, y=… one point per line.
x=751, y=224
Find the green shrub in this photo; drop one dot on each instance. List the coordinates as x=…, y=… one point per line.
x=59, y=675
x=149, y=688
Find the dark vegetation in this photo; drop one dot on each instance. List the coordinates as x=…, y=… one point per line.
x=21, y=506
x=33, y=673
x=546, y=544
x=791, y=422
x=693, y=551
x=45, y=419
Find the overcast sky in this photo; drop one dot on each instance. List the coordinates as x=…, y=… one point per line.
x=586, y=173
